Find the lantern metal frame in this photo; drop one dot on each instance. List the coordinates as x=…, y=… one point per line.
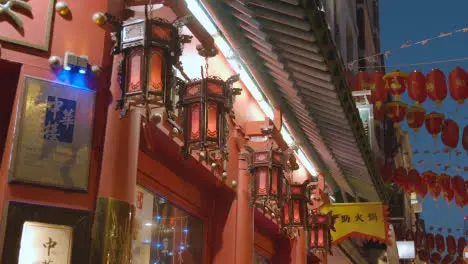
x=319, y=227
x=272, y=165
x=205, y=96
x=154, y=41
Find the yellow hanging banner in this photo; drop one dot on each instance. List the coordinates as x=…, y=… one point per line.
x=364, y=220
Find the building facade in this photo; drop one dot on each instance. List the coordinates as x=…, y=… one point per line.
x=90, y=174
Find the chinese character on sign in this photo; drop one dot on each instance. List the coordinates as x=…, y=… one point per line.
x=359, y=218
x=59, y=120
x=372, y=217
x=345, y=219
x=49, y=245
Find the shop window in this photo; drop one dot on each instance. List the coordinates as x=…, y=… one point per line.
x=9, y=76
x=164, y=233
x=259, y=259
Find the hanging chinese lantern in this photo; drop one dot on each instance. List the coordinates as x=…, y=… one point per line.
x=268, y=181
x=444, y=182
x=447, y=259
x=459, y=189
x=451, y=245
x=415, y=117
x=205, y=103
x=420, y=187
x=378, y=92
x=461, y=244
x=400, y=176
x=379, y=114
x=423, y=255
x=150, y=48
x=465, y=139
x=431, y=180
x=434, y=123
x=417, y=87
x=319, y=227
x=440, y=243
x=395, y=82
x=436, y=86
x=294, y=209
x=396, y=111
x=435, y=257
x=430, y=242
x=386, y=170
x=410, y=184
x=458, y=83
x=459, y=260
x=450, y=134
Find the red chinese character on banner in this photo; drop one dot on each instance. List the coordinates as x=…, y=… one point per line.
x=139, y=200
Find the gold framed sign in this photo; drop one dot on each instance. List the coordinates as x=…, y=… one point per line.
x=53, y=134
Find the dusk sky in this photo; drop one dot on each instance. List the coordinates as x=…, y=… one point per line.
x=416, y=20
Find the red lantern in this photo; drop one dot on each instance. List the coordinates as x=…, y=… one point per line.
x=417, y=87
x=431, y=180
x=415, y=117
x=379, y=114
x=423, y=255
x=396, y=111
x=440, y=243
x=420, y=187
x=451, y=245
x=294, y=209
x=395, y=82
x=465, y=138
x=400, y=175
x=444, y=182
x=450, y=134
x=458, y=82
x=434, y=123
x=378, y=92
x=410, y=184
x=459, y=189
x=435, y=258
x=461, y=244
x=459, y=260
x=430, y=242
x=436, y=86
x=386, y=170
x=447, y=259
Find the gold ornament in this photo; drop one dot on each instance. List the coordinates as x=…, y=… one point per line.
x=62, y=8
x=234, y=184
x=55, y=62
x=99, y=18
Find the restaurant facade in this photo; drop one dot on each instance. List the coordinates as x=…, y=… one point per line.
x=176, y=132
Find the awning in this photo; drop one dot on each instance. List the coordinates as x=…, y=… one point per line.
x=288, y=48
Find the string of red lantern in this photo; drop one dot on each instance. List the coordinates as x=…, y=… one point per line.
x=452, y=188
x=436, y=245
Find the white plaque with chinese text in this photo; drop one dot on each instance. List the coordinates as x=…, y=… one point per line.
x=45, y=244
x=53, y=133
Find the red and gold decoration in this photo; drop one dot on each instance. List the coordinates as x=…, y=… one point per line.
x=294, y=208
x=450, y=134
x=395, y=83
x=416, y=117
x=268, y=186
x=319, y=227
x=361, y=81
x=378, y=92
x=459, y=189
x=206, y=102
x=436, y=86
x=447, y=259
x=436, y=257
x=451, y=245
x=150, y=48
x=396, y=111
x=430, y=242
x=458, y=83
x=440, y=243
x=434, y=123
x=417, y=87
x=364, y=220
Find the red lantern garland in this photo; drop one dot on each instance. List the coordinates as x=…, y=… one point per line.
x=431, y=180
x=465, y=139
x=440, y=243
x=378, y=92
x=444, y=182
x=430, y=242
x=435, y=257
x=396, y=111
x=447, y=259
x=400, y=176
x=458, y=83
x=458, y=186
x=436, y=86
x=417, y=87
x=434, y=123
x=461, y=244
x=451, y=245
x=420, y=187
x=450, y=134
x=410, y=184
x=415, y=117
x=395, y=82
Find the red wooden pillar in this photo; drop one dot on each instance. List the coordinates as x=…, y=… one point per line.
x=245, y=217
x=299, y=249
x=112, y=229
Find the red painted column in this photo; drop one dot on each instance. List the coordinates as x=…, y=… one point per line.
x=245, y=216
x=112, y=229
x=299, y=249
